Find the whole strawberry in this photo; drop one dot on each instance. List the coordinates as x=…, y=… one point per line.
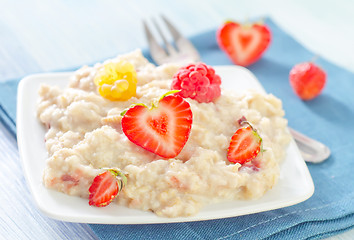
x=198, y=82
x=307, y=80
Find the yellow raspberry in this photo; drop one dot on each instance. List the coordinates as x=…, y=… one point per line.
x=116, y=81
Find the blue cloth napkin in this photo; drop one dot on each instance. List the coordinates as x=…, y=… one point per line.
x=327, y=118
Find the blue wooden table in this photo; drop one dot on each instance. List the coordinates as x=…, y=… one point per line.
x=43, y=36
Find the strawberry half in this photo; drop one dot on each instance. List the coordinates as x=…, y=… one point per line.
x=105, y=187
x=163, y=129
x=245, y=145
x=244, y=44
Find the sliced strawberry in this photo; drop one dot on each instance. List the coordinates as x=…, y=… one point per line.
x=244, y=44
x=105, y=187
x=245, y=145
x=163, y=129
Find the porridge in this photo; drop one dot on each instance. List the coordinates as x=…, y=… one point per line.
x=89, y=130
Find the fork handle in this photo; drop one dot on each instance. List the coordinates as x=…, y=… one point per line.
x=310, y=149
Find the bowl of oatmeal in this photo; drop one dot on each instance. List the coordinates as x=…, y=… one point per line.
x=68, y=133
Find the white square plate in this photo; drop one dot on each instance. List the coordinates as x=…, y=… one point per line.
x=295, y=184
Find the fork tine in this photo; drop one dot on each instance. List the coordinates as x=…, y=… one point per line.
x=182, y=43
x=185, y=51
x=156, y=50
x=170, y=49
x=174, y=32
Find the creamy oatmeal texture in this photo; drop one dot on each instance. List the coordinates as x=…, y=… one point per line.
x=84, y=135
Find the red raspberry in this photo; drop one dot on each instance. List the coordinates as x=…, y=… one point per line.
x=197, y=81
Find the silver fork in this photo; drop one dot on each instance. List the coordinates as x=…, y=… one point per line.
x=184, y=52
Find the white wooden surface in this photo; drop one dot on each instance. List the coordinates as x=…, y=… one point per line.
x=38, y=36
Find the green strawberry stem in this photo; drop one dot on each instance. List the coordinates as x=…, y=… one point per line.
x=169, y=93
x=154, y=104
x=131, y=106
x=122, y=179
